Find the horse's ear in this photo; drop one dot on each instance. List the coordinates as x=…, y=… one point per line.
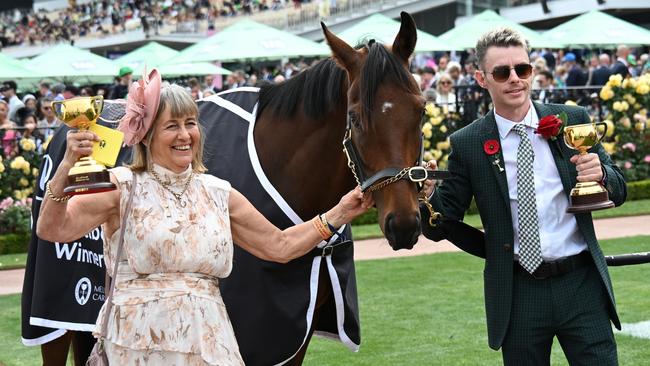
x=344, y=55
x=404, y=43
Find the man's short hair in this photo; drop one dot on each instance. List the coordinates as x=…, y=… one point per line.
x=500, y=37
x=10, y=84
x=547, y=74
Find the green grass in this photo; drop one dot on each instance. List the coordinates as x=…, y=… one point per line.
x=631, y=208
x=12, y=261
x=425, y=310
x=428, y=310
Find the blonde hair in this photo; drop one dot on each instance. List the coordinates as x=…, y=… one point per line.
x=500, y=37
x=181, y=104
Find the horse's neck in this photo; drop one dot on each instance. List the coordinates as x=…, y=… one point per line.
x=304, y=161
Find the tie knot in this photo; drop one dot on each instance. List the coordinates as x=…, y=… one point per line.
x=520, y=129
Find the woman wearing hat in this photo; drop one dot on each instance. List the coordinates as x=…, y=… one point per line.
x=178, y=235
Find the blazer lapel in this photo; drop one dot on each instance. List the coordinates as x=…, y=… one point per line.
x=491, y=132
x=561, y=154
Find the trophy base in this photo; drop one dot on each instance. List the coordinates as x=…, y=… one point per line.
x=587, y=197
x=87, y=183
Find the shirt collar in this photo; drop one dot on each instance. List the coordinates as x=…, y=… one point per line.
x=505, y=125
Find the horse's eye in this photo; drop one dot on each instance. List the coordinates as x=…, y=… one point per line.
x=353, y=117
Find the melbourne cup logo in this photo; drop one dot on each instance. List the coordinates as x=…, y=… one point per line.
x=82, y=291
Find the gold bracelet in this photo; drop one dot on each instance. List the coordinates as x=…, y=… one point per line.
x=324, y=233
x=50, y=195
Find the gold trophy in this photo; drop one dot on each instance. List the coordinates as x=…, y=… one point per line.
x=586, y=196
x=87, y=175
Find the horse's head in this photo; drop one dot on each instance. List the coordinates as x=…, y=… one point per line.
x=383, y=139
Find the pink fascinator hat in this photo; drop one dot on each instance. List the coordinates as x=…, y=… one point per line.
x=141, y=107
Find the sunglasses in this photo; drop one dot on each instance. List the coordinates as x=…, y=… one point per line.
x=445, y=82
x=501, y=74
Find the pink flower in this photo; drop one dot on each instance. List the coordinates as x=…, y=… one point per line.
x=628, y=165
x=629, y=146
x=7, y=202
x=647, y=159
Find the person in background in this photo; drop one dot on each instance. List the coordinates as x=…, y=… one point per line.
x=445, y=93
x=601, y=74
x=30, y=102
x=7, y=131
x=544, y=81
x=121, y=89
x=620, y=66
x=166, y=308
x=8, y=89
x=560, y=76
x=454, y=69
x=428, y=77
x=48, y=123
x=575, y=76
x=44, y=90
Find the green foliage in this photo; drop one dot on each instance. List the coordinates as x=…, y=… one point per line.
x=15, y=219
x=14, y=243
x=638, y=190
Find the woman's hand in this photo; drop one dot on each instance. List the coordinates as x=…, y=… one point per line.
x=353, y=204
x=79, y=144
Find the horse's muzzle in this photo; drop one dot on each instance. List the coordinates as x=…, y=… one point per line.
x=402, y=232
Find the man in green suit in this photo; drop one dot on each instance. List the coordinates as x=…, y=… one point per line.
x=545, y=275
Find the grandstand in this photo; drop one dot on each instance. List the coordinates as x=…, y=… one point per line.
x=111, y=28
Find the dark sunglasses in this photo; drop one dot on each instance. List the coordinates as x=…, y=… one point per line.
x=445, y=82
x=502, y=73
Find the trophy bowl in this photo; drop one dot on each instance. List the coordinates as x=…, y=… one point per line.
x=586, y=196
x=87, y=175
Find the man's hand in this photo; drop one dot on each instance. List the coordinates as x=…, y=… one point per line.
x=589, y=167
x=429, y=184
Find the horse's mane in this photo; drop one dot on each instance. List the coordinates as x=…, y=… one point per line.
x=318, y=89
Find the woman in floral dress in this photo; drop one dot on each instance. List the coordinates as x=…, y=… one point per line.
x=167, y=309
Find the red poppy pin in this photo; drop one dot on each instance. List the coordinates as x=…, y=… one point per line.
x=491, y=147
x=552, y=125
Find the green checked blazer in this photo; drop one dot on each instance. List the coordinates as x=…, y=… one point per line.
x=474, y=174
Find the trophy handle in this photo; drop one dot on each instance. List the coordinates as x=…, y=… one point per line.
x=98, y=104
x=604, y=133
x=59, y=109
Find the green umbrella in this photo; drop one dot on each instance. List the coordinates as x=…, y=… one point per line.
x=465, y=35
x=597, y=29
x=12, y=69
x=193, y=69
x=247, y=40
x=71, y=64
x=151, y=55
x=384, y=29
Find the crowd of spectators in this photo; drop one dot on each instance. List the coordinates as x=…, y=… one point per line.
x=102, y=17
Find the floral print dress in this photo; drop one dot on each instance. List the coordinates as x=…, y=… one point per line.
x=167, y=306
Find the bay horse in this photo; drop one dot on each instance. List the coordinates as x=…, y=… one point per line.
x=291, y=137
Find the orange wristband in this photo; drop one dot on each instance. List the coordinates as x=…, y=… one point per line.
x=323, y=230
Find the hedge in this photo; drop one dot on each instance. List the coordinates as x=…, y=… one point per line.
x=14, y=243
x=639, y=190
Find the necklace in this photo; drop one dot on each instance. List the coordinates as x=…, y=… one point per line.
x=165, y=185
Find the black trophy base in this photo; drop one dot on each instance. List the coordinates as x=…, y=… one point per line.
x=88, y=183
x=589, y=202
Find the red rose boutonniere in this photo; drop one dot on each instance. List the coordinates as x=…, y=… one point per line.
x=551, y=126
x=491, y=147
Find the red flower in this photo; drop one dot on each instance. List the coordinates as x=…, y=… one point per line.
x=550, y=126
x=491, y=147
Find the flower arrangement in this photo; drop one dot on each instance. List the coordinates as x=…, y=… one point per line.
x=438, y=124
x=627, y=102
x=19, y=170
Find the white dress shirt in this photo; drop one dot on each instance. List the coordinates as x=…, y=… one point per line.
x=558, y=230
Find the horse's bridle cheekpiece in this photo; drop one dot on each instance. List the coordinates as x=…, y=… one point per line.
x=416, y=174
